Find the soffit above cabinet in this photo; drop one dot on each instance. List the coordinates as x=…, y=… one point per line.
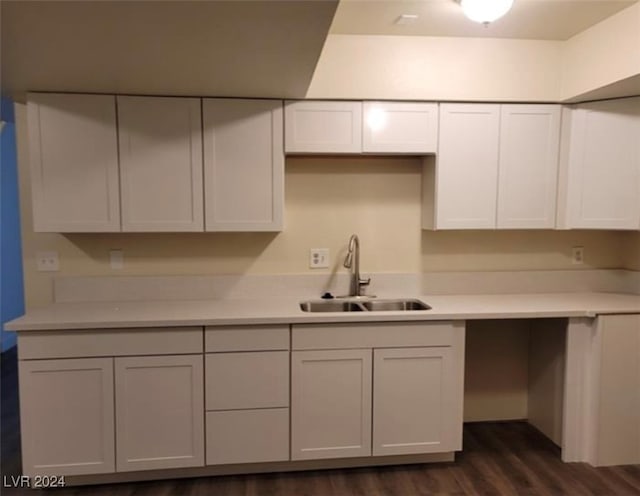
x=223, y=48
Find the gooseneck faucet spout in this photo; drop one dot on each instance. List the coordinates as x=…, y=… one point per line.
x=352, y=261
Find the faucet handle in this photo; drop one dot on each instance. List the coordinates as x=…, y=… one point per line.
x=365, y=282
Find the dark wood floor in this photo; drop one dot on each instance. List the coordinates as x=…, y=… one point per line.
x=499, y=459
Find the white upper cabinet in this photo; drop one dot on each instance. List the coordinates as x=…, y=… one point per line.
x=160, y=144
x=396, y=127
x=74, y=162
x=528, y=166
x=601, y=166
x=496, y=167
x=243, y=165
x=467, y=166
x=323, y=127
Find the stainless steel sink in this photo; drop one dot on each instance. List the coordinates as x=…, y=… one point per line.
x=395, y=305
x=331, y=306
x=377, y=305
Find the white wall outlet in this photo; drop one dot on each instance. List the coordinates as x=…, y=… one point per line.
x=47, y=261
x=116, y=259
x=577, y=255
x=319, y=258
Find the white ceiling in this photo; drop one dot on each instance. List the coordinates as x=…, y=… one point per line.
x=528, y=19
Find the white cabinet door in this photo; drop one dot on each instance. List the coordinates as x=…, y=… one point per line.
x=603, y=178
x=323, y=127
x=159, y=412
x=467, y=166
x=394, y=127
x=330, y=404
x=74, y=162
x=160, y=143
x=414, y=401
x=67, y=424
x=528, y=166
x=243, y=165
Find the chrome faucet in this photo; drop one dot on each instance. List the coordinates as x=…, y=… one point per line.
x=352, y=261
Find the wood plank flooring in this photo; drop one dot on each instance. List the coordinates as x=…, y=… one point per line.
x=509, y=458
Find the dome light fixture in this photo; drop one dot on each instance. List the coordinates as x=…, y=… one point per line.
x=485, y=11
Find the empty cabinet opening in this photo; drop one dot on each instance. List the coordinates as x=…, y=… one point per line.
x=514, y=370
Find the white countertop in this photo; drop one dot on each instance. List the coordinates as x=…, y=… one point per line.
x=128, y=314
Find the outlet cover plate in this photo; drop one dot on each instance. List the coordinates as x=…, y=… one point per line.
x=319, y=258
x=47, y=261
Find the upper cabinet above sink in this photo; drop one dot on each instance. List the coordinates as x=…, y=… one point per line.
x=361, y=127
x=322, y=127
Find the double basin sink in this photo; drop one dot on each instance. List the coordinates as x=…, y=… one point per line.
x=369, y=305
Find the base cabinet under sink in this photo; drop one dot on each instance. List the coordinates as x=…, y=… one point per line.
x=377, y=400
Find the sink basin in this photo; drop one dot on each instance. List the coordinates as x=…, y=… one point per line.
x=331, y=306
x=394, y=305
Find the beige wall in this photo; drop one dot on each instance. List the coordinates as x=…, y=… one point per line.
x=496, y=370
x=601, y=62
x=326, y=199
x=437, y=68
x=603, y=54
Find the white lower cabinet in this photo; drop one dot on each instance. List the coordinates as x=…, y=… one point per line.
x=159, y=412
x=377, y=400
x=67, y=416
x=413, y=393
x=330, y=404
x=82, y=413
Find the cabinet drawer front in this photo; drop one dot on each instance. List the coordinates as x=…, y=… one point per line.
x=246, y=338
x=248, y=436
x=67, y=416
x=373, y=335
x=109, y=342
x=247, y=380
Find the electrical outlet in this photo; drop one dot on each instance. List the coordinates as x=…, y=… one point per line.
x=577, y=255
x=319, y=258
x=116, y=259
x=47, y=261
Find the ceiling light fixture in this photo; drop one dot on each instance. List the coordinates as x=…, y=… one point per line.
x=485, y=11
